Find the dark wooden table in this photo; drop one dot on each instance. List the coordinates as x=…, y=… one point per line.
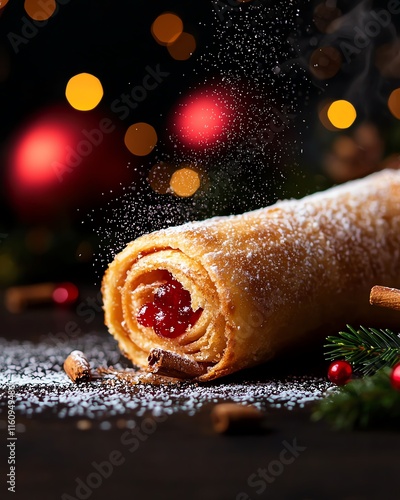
x=134, y=455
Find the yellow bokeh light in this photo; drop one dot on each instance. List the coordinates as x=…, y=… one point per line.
x=160, y=176
x=183, y=47
x=342, y=114
x=140, y=139
x=84, y=92
x=40, y=10
x=185, y=182
x=394, y=103
x=167, y=28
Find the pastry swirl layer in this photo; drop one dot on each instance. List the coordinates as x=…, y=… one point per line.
x=266, y=280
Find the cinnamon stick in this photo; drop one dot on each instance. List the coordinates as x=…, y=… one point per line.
x=385, y=297
x=230, y=418
x=170, y=364
x=77, y=367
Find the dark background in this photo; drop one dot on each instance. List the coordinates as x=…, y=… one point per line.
x=72, y=234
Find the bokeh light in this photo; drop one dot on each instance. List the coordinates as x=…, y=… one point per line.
x=185, y=182
x=204, y=118
x=37, y=151
x=325, y=14
x=59, y=159
x=325, y=62
x=140, y=139
x=394, y=103
x=183, y=47
x=323, y=115
x=40, y=10
x=159, y=177
x=342, y=114
x=65, y=293
x=167, y=28
x=387, y=59
x=84, y=91
x=3, y=3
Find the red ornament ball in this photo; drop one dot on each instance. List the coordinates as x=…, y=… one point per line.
x=395, y=377
x=339, y=372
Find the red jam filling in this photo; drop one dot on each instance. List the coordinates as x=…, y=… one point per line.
x=170, y=314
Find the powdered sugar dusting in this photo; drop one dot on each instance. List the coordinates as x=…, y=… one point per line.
x=35, y=372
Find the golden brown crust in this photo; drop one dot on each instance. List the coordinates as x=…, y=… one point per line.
x=267, y=279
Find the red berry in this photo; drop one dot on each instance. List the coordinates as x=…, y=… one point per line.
x=146, y=314
x=395, y=377
x=172, y=295
x=166, y=324
x=339, y=372
x=170, y=313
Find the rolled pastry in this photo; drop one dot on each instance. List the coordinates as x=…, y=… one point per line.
x=259, y=283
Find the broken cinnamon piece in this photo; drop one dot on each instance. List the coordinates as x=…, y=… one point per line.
x=77, y=367
x=229, y=418
x=170, y=364
x=385, y=297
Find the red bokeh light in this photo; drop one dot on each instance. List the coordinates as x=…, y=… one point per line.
x=38, y=148
x=62, y=159
x=65, y=293
x=204, y=118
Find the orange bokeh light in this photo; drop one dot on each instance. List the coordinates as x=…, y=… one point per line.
x=40, y=10
x=140, y=139
x=183, y=47
x=185, y=182
x=167, y=28
x=394, y=103
x=84, y=91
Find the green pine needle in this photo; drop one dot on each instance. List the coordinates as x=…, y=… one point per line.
x=362, y=403
x=367, y=349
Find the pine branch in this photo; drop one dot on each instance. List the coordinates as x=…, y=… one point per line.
x=362, y=403
x=366, y=349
